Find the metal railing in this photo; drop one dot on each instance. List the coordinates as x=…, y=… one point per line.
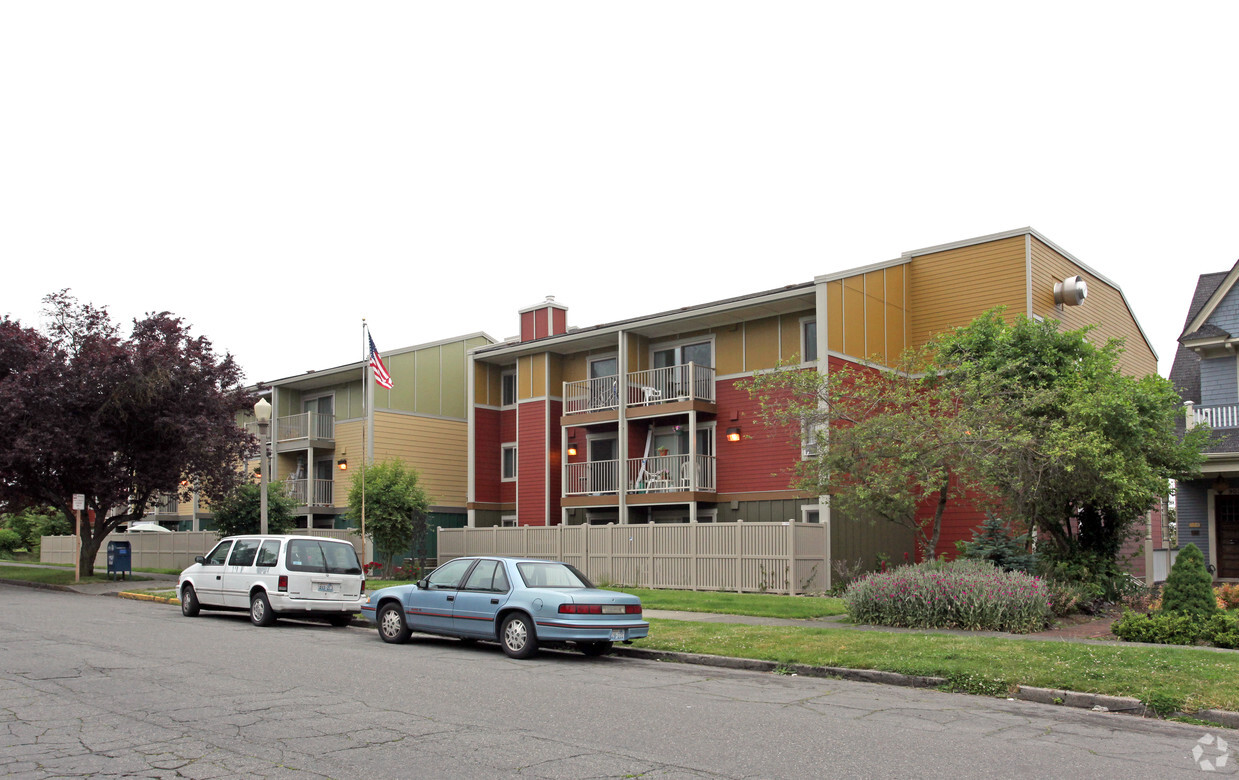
x=307, y=425
x=688, y=381
x=596, y=477
x=311, y=492
x=165, y=505
x=655, y=474
x=1217, y=415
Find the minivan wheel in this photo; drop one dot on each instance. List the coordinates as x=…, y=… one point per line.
x=189, y=602
x=517, y=636
x=260, y=610
x=392, y=627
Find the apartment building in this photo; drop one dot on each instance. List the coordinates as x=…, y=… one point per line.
x=641, y=420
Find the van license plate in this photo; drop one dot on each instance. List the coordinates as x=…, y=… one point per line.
x=617, y=635
x=326, y=587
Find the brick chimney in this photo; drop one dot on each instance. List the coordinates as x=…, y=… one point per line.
x=547, y=318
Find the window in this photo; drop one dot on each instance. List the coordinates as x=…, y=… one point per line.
x=698, y=352
x=508, y=521
x=508, y=382
x=269, y=555
x=808, y=440
x=808, y=340
x=552, y=575
x=243, y=553
x=487, y=576
x=508, y=463
x=218, y=555
x=449, y=575
x=322, y=557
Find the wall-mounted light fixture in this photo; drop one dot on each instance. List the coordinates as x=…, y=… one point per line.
x=342, y=463
x=571, y=450
x=733, y=434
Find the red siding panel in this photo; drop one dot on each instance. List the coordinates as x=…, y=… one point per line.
x=527, y=330
x=531, y=464
x=765, y=456
x=559, y=322
x=486, y=443
x=556, y=409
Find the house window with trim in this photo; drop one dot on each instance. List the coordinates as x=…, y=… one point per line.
x=508, y=521
x=508, y=463
x=808, y=340
x=507, y=381
x=809, y=440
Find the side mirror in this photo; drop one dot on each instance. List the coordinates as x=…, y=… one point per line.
x=199, y=559
x=423, y=583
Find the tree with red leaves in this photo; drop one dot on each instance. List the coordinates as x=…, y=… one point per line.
x=120, y=420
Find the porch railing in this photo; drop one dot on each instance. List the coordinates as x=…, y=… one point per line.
x=311, y=492
x=670, y=473
x=307, y=425
x=1217, y=415
x=688, y=381
x=591, y=478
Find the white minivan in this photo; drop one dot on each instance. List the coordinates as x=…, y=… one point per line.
x=276, y=576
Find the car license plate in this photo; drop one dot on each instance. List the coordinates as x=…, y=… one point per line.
x=612, y=609
x=617, y=635
x=326, y=587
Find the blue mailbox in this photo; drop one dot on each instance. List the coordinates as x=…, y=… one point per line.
x=120, y=559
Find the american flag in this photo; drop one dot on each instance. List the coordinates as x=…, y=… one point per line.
x=380, y=371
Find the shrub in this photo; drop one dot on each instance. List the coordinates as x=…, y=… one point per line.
x=1066, y=597
x=1163, y=628
x=967, y=594
x=1099, y=576
x=1223, y=630
x=1189, y=587
x=10, y=540
x=1227, y=596
x=992, y=542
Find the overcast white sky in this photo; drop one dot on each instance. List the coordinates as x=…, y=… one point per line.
x=274, y=172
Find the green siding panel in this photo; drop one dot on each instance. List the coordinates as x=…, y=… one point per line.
x=403, y=370
x=428, y=375
x=453, y=401
x=853, y=539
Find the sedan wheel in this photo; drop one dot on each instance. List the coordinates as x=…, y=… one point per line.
x=189, y=602
x=392, y=627
x=260, y=610
x=517, y=636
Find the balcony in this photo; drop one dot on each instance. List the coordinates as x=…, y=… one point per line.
x=655, y=474
x=311, y=492
x=305, y=427
x=1217, y=415
x=650, y=388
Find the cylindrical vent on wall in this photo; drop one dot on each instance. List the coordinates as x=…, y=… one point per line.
x=1071, y=291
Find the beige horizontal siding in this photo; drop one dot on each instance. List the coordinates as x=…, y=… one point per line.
x=436, y=448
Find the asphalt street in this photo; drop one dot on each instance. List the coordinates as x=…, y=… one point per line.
x=94, y=686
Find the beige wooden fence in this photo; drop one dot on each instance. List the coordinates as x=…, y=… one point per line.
x=164, y=551
x=744, y=557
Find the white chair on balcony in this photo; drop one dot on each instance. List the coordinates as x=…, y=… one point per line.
x=650, y=395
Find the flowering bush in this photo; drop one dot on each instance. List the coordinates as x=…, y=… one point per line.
x=968, y=594
x=1227, y=596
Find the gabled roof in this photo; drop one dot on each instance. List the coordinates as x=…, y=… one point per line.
x=1201, y=312
x=1185, y=372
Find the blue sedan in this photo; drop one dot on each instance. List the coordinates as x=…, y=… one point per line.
x=520, y=603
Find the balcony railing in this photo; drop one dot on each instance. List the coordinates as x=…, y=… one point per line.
x=165, y=505
x=655, y=474
x=308, y=425
x=645, y=388
x=1218, y=416
x=311, y=492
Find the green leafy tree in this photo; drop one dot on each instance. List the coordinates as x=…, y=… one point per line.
x=888, y=442
x=32, y=523
x=395, y=507
x=1189, y=588
x=993, y=542
x=240, y=512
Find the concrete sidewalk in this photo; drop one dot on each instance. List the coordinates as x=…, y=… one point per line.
x=149, y=581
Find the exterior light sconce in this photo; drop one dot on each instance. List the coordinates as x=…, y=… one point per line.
x=1220, y=485
x=733, y=434
x=571, y=450
x=342, y=463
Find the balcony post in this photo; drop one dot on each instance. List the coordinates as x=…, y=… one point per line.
x=692, y=461
x=1191, y=414
x=621, y=441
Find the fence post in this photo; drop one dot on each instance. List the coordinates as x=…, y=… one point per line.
x=692, y=554
x=739, y=556
x=791, y=558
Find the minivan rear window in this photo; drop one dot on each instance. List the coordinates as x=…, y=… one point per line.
x=322, y=557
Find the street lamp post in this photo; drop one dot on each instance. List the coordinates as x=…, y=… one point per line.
x=262, y=412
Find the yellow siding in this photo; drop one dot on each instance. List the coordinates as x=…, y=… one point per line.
x=554, y=374
x=638, y=352
x=854, y=316
x=834, y=316
x=348, y=445
x=481, y=384
x=896, y=341
x=729, y=350
x=435, y=447
x=524, y=378
x=761, y=344
x=875, y=316
x=951, y=288
x=575, y=367
x=1104, y=307
x=539, y=375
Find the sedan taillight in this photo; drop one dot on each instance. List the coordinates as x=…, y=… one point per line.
x=283, y=583
x=599, y=609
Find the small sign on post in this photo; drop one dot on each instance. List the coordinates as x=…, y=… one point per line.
x=79, y=503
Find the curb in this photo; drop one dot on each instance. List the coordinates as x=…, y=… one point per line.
x=147, y=597
x=38, y=585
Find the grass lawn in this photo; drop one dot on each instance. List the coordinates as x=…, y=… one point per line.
x=1189, y=679
x=756, y=604
x=53, y=576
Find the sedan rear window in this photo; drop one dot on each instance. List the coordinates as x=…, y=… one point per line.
x=552, y=575
x=322, y=557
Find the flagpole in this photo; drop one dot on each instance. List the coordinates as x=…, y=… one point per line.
x=365, y=419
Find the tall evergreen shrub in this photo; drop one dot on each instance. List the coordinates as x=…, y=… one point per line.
x=1189, y=588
